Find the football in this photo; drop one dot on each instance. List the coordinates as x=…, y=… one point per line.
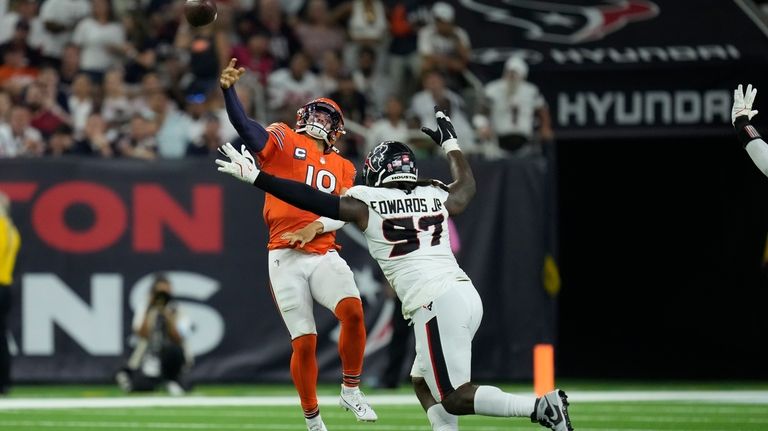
x=200, y=12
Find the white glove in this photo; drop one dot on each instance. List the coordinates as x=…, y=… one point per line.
x=742, y=103
x=241, y=165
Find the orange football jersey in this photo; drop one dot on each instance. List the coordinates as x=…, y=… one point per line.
x=296, y=157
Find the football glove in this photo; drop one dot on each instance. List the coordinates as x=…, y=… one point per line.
x=742, y=112
x=241, y=165
x=742, y=103
x=444, y=135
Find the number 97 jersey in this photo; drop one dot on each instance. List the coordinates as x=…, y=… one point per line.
x=407, y=234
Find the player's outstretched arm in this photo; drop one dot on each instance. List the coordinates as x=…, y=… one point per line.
x=747, y=135
x=242, y=166
x=463, y=187
x=254, y=134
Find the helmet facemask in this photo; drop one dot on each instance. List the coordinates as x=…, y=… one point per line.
x=320, y=121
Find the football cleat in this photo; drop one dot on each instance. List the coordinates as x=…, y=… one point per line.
x=316, y=424
x=353, y=399
x=551, y=411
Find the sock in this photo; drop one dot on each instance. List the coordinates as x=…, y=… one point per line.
x=304, y=373
x=349, y=311
x=491, y=401
x=441, y=420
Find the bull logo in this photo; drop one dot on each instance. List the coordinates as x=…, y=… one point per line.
x=564, y=23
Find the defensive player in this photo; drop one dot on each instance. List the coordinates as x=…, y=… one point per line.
x=316, y=270
x=747, y=135
x=405, y=223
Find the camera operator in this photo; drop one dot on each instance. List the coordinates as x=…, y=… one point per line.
x=159, y=356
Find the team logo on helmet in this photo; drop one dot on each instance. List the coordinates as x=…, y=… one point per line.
x=390, y=162
x=564, y=23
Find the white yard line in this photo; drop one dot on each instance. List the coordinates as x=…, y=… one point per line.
x=738, y=397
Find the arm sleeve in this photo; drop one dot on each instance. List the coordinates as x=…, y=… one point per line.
x=254, y=134
x=300, y=195
x=758, y=152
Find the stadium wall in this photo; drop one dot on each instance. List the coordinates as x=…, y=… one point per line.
x=95, y=231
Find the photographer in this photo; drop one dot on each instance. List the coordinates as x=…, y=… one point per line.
x=159, y=356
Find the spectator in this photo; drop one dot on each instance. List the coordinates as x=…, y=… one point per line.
x=367, y=24
x=206, y=45
x=160, y=355
x=20, y=39
x=354, y=105
x=392, y=127
x=26, y=10
x=369, y=81
x=6, y=103
x=97, y=138
x=10, y=240
x=59, y=19
x=209, y=140
x=139, y=142
x=15, y=71
x=318, y=33
x=366, y=27
x=49, y=81
x=81, y=102
x=406, y=17
x=173, y=126
x=445, y=46
x=116, y=108
x=101, y=40
x=289, y=88
x=18, y=137
x=70, y=65
x=434, y=94
x=255, y=56
x=270, y=20
x=63, y=143
x=515, y=106
x=47, y=116
x=330, y=70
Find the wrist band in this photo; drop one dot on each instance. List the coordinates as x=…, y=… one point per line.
x=745, y=132
x=451, y=145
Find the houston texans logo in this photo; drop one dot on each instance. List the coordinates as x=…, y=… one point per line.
x=376, y=157
x=564, y=23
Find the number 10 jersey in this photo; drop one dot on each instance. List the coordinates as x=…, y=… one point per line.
x=407, y=234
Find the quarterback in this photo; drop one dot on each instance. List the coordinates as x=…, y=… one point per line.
x=300, y=272
x=405, y=222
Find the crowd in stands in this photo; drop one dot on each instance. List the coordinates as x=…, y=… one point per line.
x=132, y=79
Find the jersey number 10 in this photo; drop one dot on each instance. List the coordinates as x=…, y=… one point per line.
x=402, y=231
x=325, y=181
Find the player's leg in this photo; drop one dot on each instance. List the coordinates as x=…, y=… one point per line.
x=332, y=284
x=289, y=273
x=444, y=332
x=439, y=419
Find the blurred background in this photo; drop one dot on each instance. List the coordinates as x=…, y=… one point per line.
x=616, y=218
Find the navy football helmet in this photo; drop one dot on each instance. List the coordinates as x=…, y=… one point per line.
x=390, y=162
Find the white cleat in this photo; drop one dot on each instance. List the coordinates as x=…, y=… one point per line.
x=551, y=411
x=316, y=424
x=353, y=399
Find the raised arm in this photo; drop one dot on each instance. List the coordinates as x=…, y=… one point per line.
x=462, y=189
x=254, y=134
x=747, y=135
x=242, y=166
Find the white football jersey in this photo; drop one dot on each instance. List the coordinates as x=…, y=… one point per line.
x=407, y=234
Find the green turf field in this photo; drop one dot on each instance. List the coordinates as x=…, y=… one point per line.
x=399, y=413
